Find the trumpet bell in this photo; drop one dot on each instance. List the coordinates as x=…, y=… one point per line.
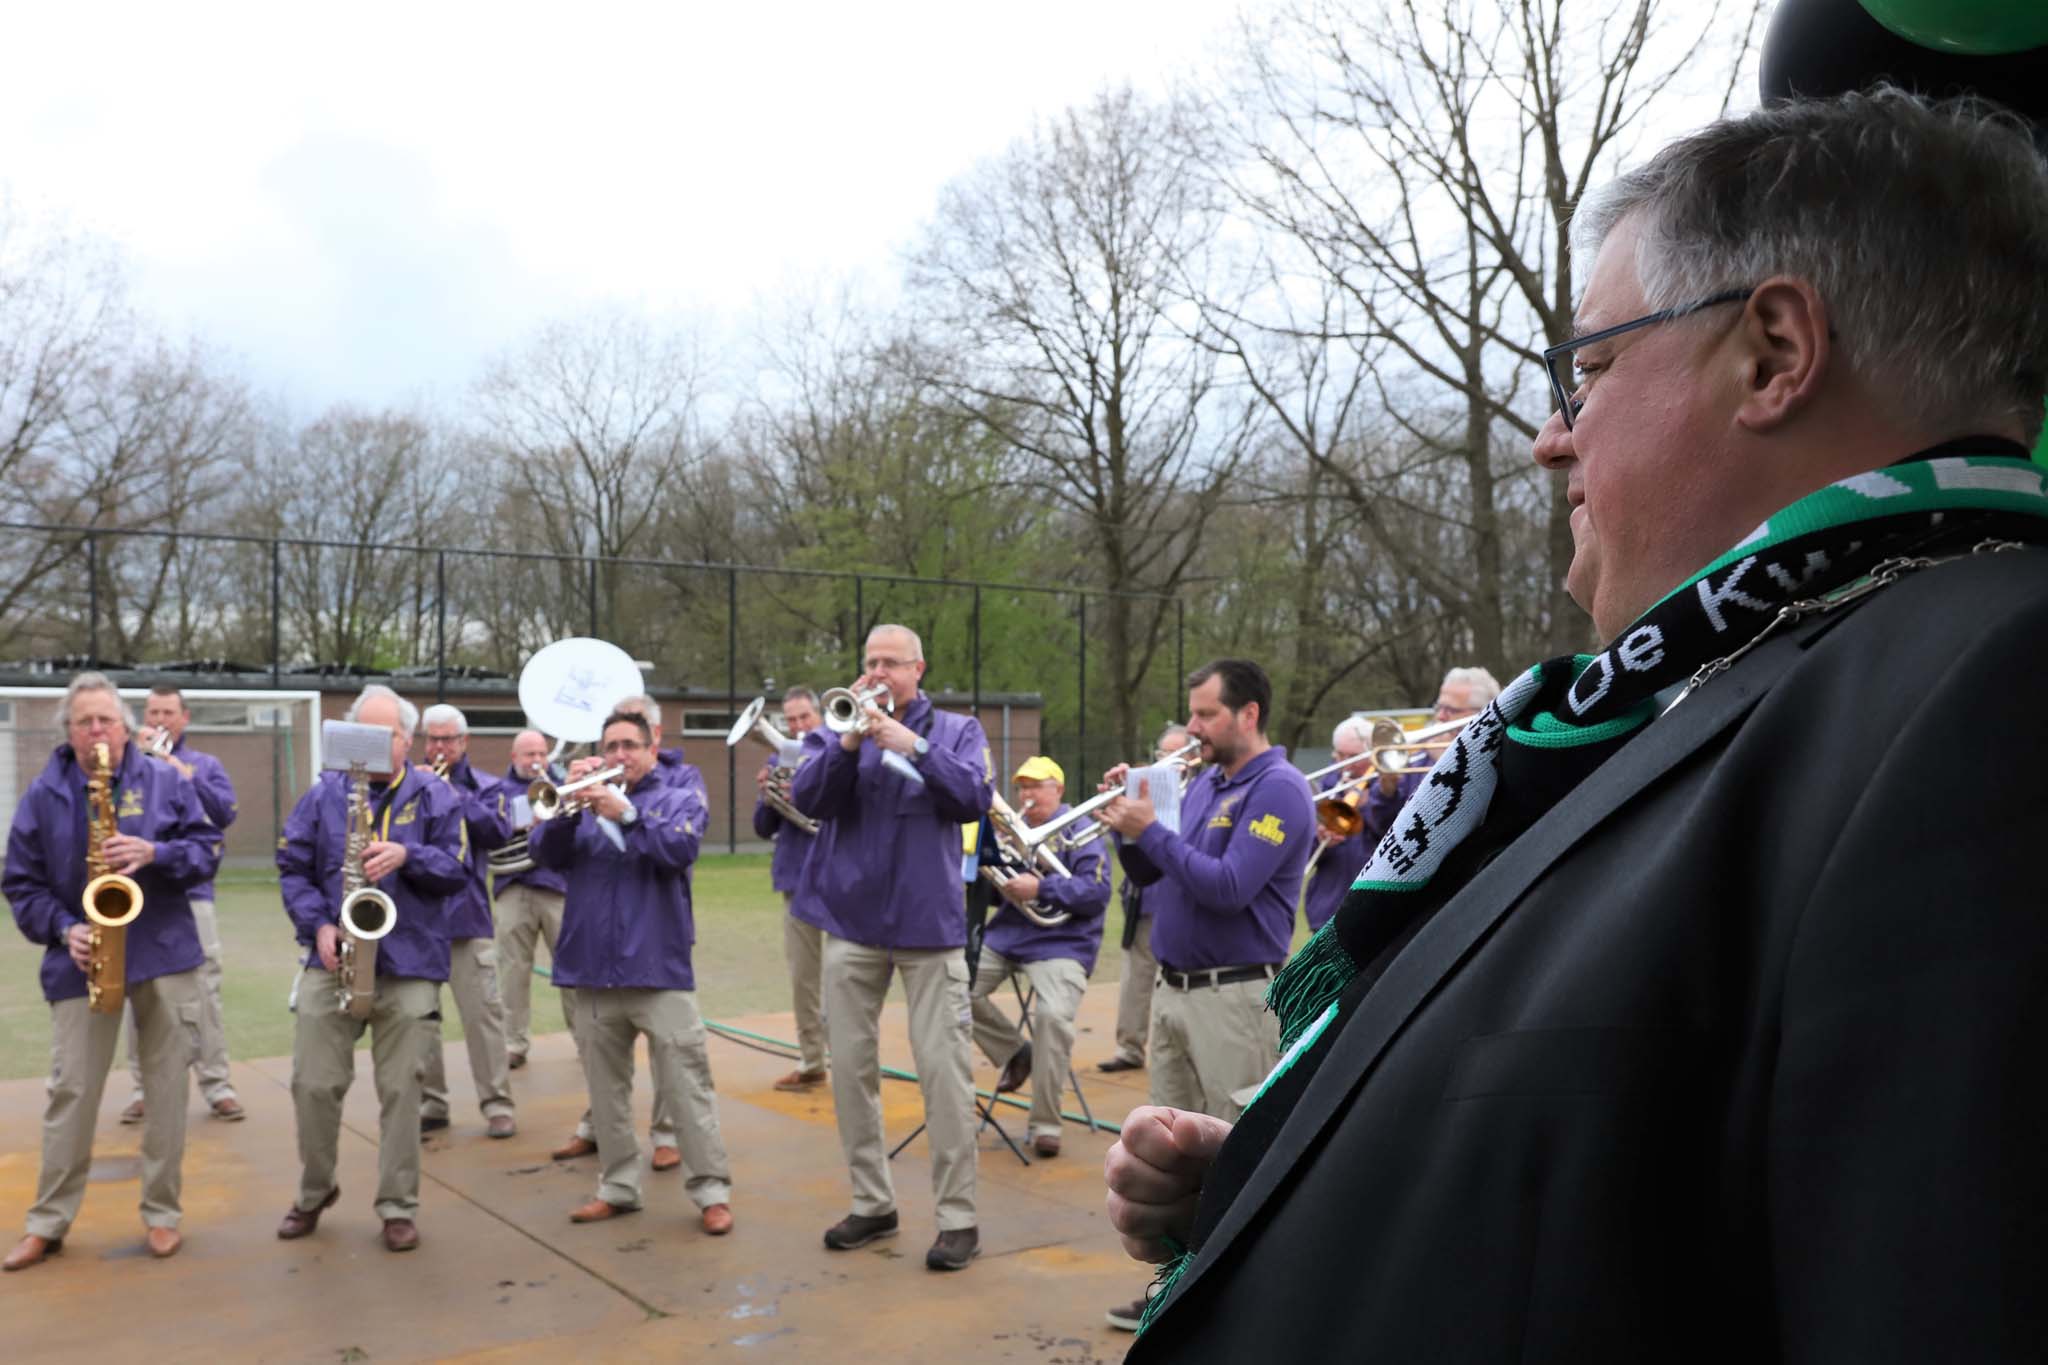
x=112, y=900
x=368, y=913
x=844, y=707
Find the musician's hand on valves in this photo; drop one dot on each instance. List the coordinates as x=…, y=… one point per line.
x=1021, y=889
x=606, y=801
x=381, y=858
x=765, y=778
x=1154, y=1172
x=1130, y=816
x=583, y=767
x=327, y=943
x=1113, y=779
x=78, y=942
x=125, y=853
x=892, y=735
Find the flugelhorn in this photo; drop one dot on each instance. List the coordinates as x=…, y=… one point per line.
x=751, y=722
x=546, y=798
x=845, y=708
x=1010, y=828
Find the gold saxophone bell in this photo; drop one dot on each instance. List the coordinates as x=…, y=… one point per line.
x=112, y=900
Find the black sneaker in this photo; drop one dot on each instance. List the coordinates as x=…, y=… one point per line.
x=1116, y=1064
x=857, y=1230
x=953, y=1250
x=1125, y=1317
x=431, y=1125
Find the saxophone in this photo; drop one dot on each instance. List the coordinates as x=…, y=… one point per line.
x=112, y=901
x=367, y=914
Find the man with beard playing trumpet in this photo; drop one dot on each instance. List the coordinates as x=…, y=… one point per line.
x=625, y=951
x=1055, y=958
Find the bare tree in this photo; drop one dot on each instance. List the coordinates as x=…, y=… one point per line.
x=1418, y=160
x=1053, y=276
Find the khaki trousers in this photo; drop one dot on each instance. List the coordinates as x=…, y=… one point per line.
x=935, y=983
x=525, y=915
x=1059, y=983
x=1134, y=995
x=82, y=1046
x=473, y=979
x=803, y=947
x=403, y=1018
x=609, y=1022
x=1210, y=1041
x=211, y=1065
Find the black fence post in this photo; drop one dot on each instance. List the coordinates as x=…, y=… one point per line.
x=440, y=625
x=1180, y=650
x=860, y=624
x=92, y=600
x=732, y=695
x=276, y=613
x=976, y=633
x=1081, y=695
x=592, y=586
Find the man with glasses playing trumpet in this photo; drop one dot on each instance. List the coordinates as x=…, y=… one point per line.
x=472, y=952
x=414, y=857
x=625, y=947
x=100, y=807
x=1049, y=929
x=883, y=882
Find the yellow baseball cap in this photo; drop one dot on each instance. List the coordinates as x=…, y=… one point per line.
x=1039, y=768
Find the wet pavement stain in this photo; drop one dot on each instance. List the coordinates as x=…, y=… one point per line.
x=111, y=1168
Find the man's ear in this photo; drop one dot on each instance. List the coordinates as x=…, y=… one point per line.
x=1787, y=348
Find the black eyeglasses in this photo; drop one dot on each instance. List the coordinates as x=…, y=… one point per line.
x=1561, y=391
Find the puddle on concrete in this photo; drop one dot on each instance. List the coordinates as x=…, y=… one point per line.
x=109, y=1168
x=759, y=1338
x=756, y=1310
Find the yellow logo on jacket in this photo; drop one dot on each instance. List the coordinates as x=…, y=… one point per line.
x=406, y=812
x=1221, y=819
x=131, y=804
x=1269, y=828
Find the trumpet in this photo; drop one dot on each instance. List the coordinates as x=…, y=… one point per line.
x=159, y=745
x=1340, y=811
x=547, y=798
x=777, y=793
x=846, y=707
x=1187, y=758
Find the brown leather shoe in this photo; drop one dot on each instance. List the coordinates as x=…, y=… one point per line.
x=799, y=1081
x=500, y=1126
x=299, y=1222
x=573, y=1148
x=515, y=1060
x=718, y=1219
x=133, y=1113
x=229, y=1108
x=597, y=1210
x=1016, y=1071
x=32, y=1250
x=400, y=1234
x=953, y=1250
x=1046, y=1144
x=164, y=1242
x=666, y=1159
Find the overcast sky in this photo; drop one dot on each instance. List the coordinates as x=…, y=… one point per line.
x=367, y=201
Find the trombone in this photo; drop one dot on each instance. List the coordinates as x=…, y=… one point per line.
x=1187, y=758
x=1340, y=810
x=547, y=799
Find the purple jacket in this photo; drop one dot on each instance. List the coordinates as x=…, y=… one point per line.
x=1341, y=863
x=671, y=771
x=45, y=877
x=627, y=921
x=486, y=824
x=417, y=811
x=792, y=845
x=1223, y=894
x=885, y=867
x=1084, y=895
x=216, y=798
x=540, y=878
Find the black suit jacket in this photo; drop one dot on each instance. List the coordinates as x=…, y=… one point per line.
x=1735, y=1055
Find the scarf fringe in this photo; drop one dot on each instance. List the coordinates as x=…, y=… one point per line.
x=1162, y=1285
x=1310, y=982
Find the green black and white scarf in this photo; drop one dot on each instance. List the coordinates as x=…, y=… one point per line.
x=1557, y=722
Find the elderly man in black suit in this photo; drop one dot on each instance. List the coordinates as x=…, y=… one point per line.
x=1693, y=1008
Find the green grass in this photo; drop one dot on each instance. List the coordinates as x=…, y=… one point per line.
x=738, y=961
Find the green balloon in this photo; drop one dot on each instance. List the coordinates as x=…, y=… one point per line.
x=1977, y=28
x=2041, y=448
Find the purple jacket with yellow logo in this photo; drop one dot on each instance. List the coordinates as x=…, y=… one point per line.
x=45, y=878
x=418, y=811
x=1083, y=896
x=1222, y=894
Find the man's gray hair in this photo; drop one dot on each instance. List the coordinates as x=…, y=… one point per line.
x=1923, y=225
x=93, y=682
x=643, y=706
x=1172, y=728
x=1484, y=687
x=408, y=714
x=1358, y=727
x=916, y=642
x=441, y=713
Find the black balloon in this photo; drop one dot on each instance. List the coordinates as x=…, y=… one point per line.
x=1826, y=47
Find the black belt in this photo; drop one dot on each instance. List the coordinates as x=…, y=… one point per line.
x=1213, y=976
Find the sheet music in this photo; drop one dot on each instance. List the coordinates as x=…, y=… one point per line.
x=1161, y=782
x=522, y=812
